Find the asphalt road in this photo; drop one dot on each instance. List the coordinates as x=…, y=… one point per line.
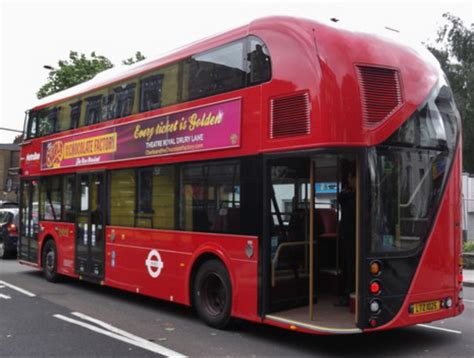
x=75, y=318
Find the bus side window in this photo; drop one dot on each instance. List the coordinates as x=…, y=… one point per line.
x=151, y=92
x=75, y=114
x=32, y=124
x=93, y=109
x=156, y=189
x=210, y=197
x=122, y=197
x=215, y=71
x=124, y=99
x=47, y=120
x=68, y=198
x=50, y=198
x=259, y=68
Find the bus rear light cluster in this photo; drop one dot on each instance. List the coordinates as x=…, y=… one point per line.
x=375, y=305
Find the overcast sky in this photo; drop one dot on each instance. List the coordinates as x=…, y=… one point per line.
x=37, y=33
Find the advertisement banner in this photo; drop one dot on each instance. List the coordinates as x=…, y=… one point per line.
x=216, y=126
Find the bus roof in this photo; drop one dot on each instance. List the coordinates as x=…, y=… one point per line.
x=123, y=72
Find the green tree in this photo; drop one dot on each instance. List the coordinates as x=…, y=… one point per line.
x=454, y=49
x=77, y=69
x=131, y=60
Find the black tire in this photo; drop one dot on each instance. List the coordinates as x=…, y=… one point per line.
x=212, y=294
x=50, y=261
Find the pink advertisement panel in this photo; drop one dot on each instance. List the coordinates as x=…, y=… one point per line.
x=204, y=128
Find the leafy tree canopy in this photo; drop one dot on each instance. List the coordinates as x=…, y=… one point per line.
x=454, y=49
x=78, y=68
x=131, y=60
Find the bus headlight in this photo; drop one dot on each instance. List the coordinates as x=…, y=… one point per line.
x=448, y=302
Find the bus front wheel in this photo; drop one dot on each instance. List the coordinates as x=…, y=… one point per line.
x=213, y=294
x=50, y=261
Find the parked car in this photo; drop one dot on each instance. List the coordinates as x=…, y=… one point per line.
x=8, y=204
x=9, y=221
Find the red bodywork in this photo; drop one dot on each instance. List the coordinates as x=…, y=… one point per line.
x=305, y=56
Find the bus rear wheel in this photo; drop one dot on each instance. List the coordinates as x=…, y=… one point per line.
x=50, y=261
x=213, y=294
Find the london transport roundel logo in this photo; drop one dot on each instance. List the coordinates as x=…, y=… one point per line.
x=154, y=263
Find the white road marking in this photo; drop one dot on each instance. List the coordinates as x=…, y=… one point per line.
x=1, y=286
x=16, y=288
x=439, y=328
x=470, y=301
x=109, y=327
x=123, y=336
x=6, y=297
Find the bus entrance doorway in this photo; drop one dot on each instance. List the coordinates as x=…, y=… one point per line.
x=313, y=241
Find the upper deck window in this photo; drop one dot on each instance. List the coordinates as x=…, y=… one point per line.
x=42, y=122
x=258, y=60
x=235, y=65
x=215, y=71
x=93, y=109
x=151, y=88
x=75, y=114
x=124, y=98
x=32, y=126
x=108, y=107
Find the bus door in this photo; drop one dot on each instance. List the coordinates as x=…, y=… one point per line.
x=90, y=225
x=29, y=224
x=312, y=240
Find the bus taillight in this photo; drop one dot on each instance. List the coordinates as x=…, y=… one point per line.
x=375, y=287
x=375, y=268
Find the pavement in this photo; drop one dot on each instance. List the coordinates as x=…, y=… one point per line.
x=468, y=278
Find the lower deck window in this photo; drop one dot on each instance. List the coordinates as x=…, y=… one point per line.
x=210, y=197
x=122, y=197
x=50, y=198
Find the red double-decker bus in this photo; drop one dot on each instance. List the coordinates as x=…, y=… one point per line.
x=286, y=172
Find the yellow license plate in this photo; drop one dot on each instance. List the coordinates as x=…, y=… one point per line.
x=424, y=307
